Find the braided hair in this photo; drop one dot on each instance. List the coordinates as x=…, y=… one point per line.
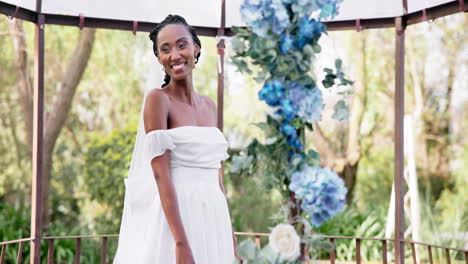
x=172, y=19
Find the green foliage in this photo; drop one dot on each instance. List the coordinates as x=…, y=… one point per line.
x=270, y=160
x=445, y=216
x=14, y=224
x=351, y=222
x=106, y=165
x=331, y=76
x=242, y=194
x=374, y=179
x=251, y=49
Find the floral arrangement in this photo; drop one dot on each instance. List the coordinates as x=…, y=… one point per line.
x=280, y=43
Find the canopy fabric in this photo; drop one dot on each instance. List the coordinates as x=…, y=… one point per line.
x=207, y=13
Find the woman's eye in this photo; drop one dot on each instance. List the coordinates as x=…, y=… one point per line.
x=183, y=45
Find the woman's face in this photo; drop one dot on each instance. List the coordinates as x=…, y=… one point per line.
x=177, y=51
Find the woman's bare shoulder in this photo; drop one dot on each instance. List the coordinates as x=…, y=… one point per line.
x=156, y=110
x=207, y=100
x=157, y=96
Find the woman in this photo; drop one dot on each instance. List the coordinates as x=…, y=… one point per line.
x=175, y=210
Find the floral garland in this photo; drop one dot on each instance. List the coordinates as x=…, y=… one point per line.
x=281, y=39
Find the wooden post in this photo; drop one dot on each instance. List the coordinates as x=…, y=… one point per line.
x=220, y=48
x=400, y=25
x=38, y=128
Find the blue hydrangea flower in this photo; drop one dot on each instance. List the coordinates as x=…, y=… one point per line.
x=253, y=14
x=301, y=42
x=295, y=143
x=307, y=102
x=288, y=129
x=287, y=109
x=308, y=29
x=328, y=10
x=287, y=42
x=264, y=15
x=303, y=7
x=291, y=137
x=322, y=192
x=272, y=92
x=280, y=19
x=307, y=7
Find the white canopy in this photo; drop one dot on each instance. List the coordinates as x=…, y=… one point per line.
x=207, y=13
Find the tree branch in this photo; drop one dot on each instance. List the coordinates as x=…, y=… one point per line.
x=23, y=76
x=69, y=83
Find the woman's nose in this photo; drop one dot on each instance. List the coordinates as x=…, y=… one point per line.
x=175, y=54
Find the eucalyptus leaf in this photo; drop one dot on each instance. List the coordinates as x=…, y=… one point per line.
x=341, y=111
x=247, y=250
x=317, y=48
x=338, y=64
x=308, y=50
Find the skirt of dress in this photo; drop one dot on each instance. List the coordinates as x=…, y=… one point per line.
x=205, y=216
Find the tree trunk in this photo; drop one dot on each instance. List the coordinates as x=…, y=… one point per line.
x=54, y=119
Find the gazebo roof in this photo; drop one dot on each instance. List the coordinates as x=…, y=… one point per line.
x=206, y=14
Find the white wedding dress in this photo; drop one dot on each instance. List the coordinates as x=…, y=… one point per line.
x=195, y=158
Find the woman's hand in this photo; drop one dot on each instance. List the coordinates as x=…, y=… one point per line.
x=184, y=254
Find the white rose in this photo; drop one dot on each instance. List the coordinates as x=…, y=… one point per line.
x=285, y=241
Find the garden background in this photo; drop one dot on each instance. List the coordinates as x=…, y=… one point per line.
x=92, y=150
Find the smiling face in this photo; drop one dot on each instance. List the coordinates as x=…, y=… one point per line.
x=177, y=51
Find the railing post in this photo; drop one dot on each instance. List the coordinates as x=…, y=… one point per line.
x=20, y=253
x=50, y=252
x=429, y=252
x=413, y=252
x=384, y=251
x=2, y=255
x=358, y=251
x=332, y=251
x=447, y=254
x=104, y=250
x=77, y=251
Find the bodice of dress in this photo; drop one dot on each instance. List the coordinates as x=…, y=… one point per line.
x=190, y=146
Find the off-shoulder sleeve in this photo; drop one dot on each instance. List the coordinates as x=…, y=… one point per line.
x=157, y=142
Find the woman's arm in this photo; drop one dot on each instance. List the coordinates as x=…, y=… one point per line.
x=155, y=117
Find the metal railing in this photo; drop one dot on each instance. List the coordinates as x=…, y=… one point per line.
x=257, y=237
x=384, y=241
x=20, y=249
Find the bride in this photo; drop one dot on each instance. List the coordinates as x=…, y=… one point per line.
x=175, y=210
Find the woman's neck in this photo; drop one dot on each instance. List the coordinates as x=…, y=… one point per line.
x=183, y=90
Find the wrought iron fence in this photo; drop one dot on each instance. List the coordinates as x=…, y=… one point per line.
x=257, y=237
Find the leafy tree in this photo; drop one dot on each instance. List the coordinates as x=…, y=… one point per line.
x=56, y=113
x=107, y=161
